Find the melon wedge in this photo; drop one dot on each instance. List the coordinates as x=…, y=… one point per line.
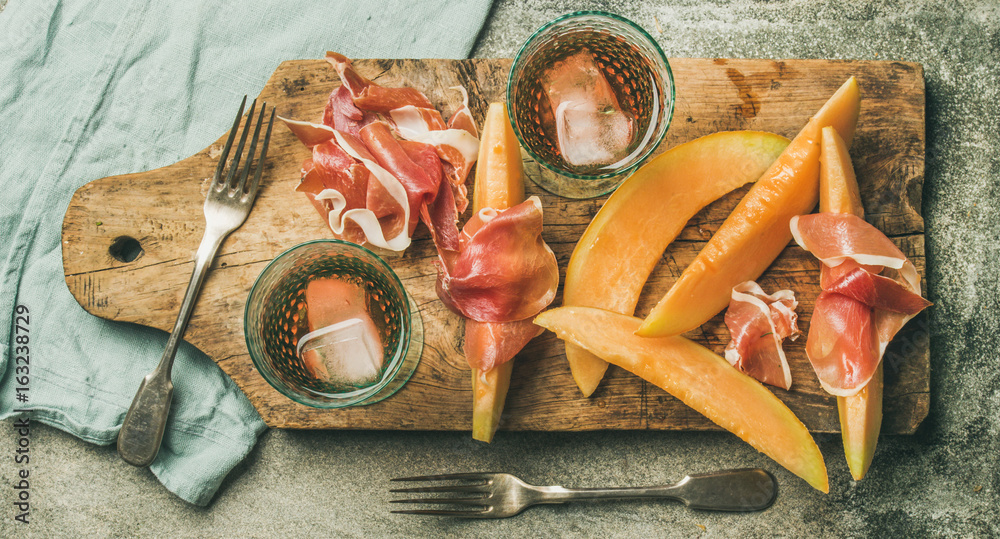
x=499, y=185
x=757, y=230
x=860, y=414
x=489, y=394
x=860, y=423
x=644, y=215
x=499, y=180
x=838, y=186
x=700, y=379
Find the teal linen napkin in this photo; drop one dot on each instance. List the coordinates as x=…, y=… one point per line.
x=93, y=88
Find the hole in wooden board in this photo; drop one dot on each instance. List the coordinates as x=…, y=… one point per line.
x=125, y=249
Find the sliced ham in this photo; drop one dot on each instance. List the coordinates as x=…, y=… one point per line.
x=836, y=237
x=878, y=292
x=842, y=344
x=343, y=115
x=458, y=155
x=491, y=344
x=411, y=119
x=308, y=133
x=527, y=285
x=462, y=118
x=441, y=218
x=457, y=143
x=396, y=137
x=870, y=290
x=758, y=323
x=387, y=206
x=421, y=184
x=504, y=271
x=340, y=171
x=337, y=181
x=828, y=275
x=440, y=214
x=370, y=96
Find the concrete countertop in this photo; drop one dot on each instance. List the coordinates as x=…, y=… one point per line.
x=943, y=480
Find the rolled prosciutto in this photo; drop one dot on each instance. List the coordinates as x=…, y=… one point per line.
x=503, y=271
x=870, y=290
x=758, y=324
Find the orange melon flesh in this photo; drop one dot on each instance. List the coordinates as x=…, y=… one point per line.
x=838, y=186
x=499, y=180
x=698, y=378
x=499, y=185
x=860, y=423
x=645, y=214
x=860, y=414
x=489, y=394
x=757, y=230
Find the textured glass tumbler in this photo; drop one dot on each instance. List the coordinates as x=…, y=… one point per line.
x=276, y=311
x=634, y=67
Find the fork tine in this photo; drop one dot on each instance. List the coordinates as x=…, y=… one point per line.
x=253, y=146
x=447, y=476
x=481, y=501
x=234, y=164
x=228, y=146
x=252, y=190
x=443, y=488
x=443, y=513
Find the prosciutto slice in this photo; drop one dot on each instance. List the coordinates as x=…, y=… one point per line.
x=878, y=292
x=370, y=96
x=419, y=169
x=758, y=323
x=836, y=237
x=343, y=115
x=503, y=271
x=489, y=344
x=828, y=275
x=457, y=142
x=381, y=159
x=308, y=133
x=421, y=183
x=842, y=345
x=501, y=276
x=870, y=290
x=361, y=201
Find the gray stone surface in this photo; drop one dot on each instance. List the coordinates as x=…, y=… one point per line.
x=944, y=480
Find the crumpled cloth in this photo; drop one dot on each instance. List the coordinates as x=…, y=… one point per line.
x=93, y=88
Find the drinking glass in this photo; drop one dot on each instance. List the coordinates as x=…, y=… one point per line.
x=636, y=71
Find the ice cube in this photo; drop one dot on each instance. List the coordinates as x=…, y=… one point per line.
x=349, y=352
x=588, y=137
x=591, y=128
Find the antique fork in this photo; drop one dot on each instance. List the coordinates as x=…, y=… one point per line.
x=227, y=205
x=500, y=495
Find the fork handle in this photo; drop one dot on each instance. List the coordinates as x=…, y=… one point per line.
x=142, y=430
x=210, y=244
x=730, y=490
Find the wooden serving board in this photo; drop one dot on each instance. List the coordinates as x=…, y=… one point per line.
x=162, y=210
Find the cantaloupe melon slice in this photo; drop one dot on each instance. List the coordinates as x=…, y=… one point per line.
x=860, y=414
x=700, y=379
x=499, y=185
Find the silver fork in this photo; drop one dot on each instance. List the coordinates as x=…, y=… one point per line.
x=226, y=207
x=500, y=495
